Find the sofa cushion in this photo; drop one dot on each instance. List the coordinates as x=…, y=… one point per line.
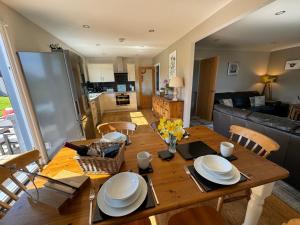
x=241, y=113
x=227, y=102
x=223, y=108
x=276, y=122
x=226, y=95
x=241, y=101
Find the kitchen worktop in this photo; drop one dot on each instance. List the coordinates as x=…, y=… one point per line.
x=94, y=96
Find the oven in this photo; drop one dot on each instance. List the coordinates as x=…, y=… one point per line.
x=122, y=99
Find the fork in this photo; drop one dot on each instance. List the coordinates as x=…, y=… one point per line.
x=91, y=198
x=189, y=173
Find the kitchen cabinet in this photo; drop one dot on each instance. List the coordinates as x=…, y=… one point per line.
x=101, y=73
x=131, y=72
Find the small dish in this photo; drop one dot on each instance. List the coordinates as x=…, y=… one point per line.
x=216, y=164
x=122, y=185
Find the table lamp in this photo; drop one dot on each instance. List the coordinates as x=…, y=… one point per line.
x=268, y=80
x=176, y=82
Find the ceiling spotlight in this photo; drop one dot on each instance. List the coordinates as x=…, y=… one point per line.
x=86, y=26
x=151, y=30
x=121, y=39
x=97, y=44
x=280, y=12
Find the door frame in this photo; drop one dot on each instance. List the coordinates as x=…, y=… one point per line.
x=140, y=80
x=20, y=98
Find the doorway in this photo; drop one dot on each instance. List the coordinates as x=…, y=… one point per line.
x=146, y=86
x=204, y=99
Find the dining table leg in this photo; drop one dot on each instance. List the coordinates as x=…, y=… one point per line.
x=256, y=203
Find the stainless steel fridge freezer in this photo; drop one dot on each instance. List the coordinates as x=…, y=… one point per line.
x=52, y=91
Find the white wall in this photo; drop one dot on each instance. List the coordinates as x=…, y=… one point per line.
x=251, y=65
x=184, y=47
x=287, y=88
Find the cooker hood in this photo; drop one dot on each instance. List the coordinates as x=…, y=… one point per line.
x=121, y=65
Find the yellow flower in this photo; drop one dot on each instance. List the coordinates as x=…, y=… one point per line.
x=178, y=134
x=165, y=135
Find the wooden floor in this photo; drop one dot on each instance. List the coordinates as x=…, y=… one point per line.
x=275, y=211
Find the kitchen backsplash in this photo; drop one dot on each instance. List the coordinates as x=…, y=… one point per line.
x=94, y=87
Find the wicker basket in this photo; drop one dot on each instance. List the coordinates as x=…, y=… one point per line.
x=98, y=164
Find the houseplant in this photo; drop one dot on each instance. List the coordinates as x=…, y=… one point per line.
x=171, y=131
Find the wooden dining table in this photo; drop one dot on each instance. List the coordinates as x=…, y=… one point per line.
x=174, y=188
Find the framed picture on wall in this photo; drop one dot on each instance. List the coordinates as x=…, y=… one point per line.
x=292, y=65
x=172, y=64
x=233, y=69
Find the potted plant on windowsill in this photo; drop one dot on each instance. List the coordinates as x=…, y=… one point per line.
x=171, y=132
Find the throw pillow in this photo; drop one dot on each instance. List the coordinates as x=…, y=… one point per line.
x=260, y=101
x=227, y=102
x=252, y=101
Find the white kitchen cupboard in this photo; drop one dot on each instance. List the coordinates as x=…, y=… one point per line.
x=101, y=72
x=131, y=72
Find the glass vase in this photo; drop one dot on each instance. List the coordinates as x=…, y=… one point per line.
x=172, y=144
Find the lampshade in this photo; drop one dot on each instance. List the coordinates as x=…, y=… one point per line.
x=268, y=79
x=176, y=82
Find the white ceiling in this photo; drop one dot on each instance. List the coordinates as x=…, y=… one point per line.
x=262, y=30
x=110, y=20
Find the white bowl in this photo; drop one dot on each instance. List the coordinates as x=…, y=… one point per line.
x=115, y=203
x=122, y=186
x=216, y=164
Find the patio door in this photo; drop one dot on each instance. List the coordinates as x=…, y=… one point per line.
x=21, y=116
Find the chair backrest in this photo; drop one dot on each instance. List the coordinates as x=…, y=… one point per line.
x=293, y=222
x=123, y=127
x=263, y=145
x=8, y=165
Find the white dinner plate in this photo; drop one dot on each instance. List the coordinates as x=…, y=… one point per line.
x=199, y=168
x=117, y=212
x=123, y=203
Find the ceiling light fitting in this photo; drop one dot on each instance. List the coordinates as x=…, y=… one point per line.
x=97, y=44
x=280, y=12
x=86, y=26
x=151, y=30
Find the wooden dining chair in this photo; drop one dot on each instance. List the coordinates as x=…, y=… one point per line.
x=293, y=222
x=258, y=143
x=122, y=127
x=8, y=166
x=203, y=215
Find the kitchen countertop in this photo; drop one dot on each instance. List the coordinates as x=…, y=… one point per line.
x=94, y=96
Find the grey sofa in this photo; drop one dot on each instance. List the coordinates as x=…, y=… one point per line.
x=286, y=132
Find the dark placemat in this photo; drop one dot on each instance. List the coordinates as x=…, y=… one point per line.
x=149, y=202
x=229, y=158
x=194, y=150
x=147, y=170
x=206, y=184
